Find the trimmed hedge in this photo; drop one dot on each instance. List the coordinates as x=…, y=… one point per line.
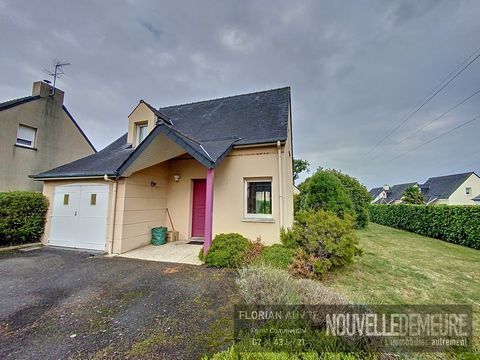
x=22, y=217
x=456, y=224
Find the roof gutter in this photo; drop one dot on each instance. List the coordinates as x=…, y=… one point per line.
x=67, y=177
x=280, y=183
x=269, y=143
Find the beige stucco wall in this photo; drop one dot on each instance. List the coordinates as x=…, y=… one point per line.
x=58, y=142
x=460, y=198
x=140, y=207
x=228, y=208
x=229, y=194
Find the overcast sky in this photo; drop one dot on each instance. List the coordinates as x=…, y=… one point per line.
x=356, y=69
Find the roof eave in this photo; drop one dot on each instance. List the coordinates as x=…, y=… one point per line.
x=173, y=135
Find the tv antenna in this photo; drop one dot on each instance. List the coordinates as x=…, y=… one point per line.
x=57, y=72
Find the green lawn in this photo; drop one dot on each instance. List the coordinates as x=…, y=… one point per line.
x=399, y=267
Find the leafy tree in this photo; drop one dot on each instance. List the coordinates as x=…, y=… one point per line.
x=412, y=195
x=358, y=195
x=324, y=191
x=300, y=166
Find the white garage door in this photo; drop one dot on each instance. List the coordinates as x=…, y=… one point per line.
x=79, y=216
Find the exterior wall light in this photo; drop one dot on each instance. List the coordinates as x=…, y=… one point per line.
x=176, y=177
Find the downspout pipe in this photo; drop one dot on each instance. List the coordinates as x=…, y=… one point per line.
x=280, y=183
x=113, y=212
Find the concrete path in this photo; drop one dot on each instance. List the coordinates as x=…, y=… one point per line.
x=176, y=252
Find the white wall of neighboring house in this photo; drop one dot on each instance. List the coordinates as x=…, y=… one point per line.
x=459, y=196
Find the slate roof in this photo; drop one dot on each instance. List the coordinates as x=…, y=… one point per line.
x=11, y=103
x=396, y=191
x=375, y=192
x=442, y=187
x=254, y=118
x=106, y=161
x=207, y=130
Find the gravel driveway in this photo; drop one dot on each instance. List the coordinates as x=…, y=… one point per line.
x=57, y=304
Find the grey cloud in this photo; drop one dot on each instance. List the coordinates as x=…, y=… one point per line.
x=356, y=68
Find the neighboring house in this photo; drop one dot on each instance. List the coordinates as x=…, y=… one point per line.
x=204, y=168
x=457, y=189
x=379, y=194
x=37, y=133
x=390, y=195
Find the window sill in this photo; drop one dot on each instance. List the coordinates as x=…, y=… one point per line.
x=259, y=220
x=25, y=147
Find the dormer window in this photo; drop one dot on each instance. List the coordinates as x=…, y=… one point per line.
x=141, y=132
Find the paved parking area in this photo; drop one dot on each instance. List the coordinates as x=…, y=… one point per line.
x=65, y=304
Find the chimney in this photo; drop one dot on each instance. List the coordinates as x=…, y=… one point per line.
x=43, y=89
x=386, y=187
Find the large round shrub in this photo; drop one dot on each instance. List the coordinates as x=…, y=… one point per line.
x=323, y=241
x=358, y=195
x=324, y=191
x=227, y=250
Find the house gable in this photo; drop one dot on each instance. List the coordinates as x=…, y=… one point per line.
x=55, y=137
x=142, y=114
x=460, y=196
x=439, y=189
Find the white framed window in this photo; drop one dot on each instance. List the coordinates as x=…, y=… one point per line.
x=26, y=136
x=468, y=190
x=141, y=132
x=258, y=198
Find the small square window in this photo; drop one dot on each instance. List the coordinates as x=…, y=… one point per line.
x=93, y=199
x=26, y=136
x=66, y=197
x=258, y=196
x=468, y=191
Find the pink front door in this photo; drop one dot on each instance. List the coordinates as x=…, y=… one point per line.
x=198, y=208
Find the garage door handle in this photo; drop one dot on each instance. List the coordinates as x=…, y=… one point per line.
x=75, y=213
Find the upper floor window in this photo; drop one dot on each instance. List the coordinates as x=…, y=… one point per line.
x=258, y=198
x=468, y=190
x=141, y=133
x=26, y=136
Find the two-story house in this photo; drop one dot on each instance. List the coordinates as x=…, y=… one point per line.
x=37, y=133
x=456, y=189
x=203, y=168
